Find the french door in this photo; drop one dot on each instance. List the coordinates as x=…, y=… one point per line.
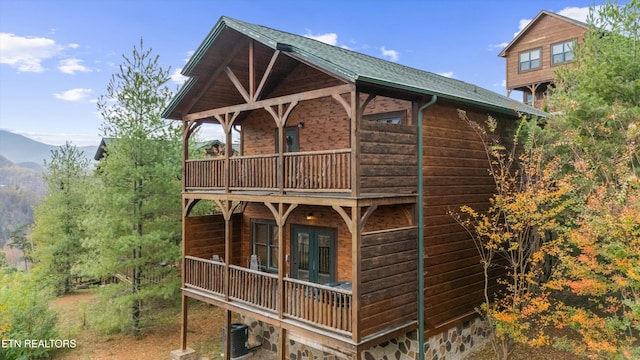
x=314, y=254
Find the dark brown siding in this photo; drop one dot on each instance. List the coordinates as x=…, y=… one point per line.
x=204, y=235
x=455, y=174
x=388, y=289
x=388, y=158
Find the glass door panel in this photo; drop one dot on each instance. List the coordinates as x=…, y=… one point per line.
x=302, y=256
x=314, y=254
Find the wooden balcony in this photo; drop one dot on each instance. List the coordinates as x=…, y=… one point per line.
x=310, y=171
x=321, y=306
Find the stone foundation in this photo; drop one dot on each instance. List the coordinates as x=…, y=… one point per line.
x=454, y=344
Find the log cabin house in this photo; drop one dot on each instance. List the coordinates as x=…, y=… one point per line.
x=337, y=199
x=533, y=55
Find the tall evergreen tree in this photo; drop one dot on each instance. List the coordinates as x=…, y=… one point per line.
x=136, y=210
x=18, y=239
x=56, y=231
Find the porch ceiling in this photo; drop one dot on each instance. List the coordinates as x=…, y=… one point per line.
x=211, y=88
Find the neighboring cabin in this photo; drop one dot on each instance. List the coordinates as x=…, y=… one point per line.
x=533, y=55
x=326, y=194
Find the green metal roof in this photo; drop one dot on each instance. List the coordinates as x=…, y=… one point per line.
x=358, y=68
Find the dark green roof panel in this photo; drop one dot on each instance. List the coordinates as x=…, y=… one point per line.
x=359, y=68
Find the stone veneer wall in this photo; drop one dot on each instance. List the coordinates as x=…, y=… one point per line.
x=454, y=344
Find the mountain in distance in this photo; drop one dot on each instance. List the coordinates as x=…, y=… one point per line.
x=26, y=152
x=21, y=190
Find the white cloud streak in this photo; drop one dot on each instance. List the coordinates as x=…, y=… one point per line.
x=71, y=66
x=576, y=13
x=26, y=53
x=178, y=78
x=572, y=12
x=59, y=139
x=78, y=94
x=448, y=74
x=328, y=38
x=499, y=46
x=392, y=55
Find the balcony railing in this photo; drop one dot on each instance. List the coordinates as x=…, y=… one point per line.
x=322, y=306
x=301, y=171
x=254, y=287
x=319, y=305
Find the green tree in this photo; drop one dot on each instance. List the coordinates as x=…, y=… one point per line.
x=135, y=207
x=596, y=133
x=24, y=315
x=513, y=236
x=19, y=240
x=56, y=231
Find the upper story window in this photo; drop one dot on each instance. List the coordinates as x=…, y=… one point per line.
x=530, y=60
x=393, y=117
x=562, y=52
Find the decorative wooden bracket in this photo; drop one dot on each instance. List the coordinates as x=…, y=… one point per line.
x=349, y=221
x=227, y=207
x=280, y=117
x=280, y=219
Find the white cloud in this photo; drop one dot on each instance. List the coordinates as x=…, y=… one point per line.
x=71, y=66
x=177, y=78
x=328, y=38
x=59, y=139
x=499, y=46
x=576, y=13
x=189, y=55
x=26, y=53
x=502, y=84
x=521, y=25
x=78, y=94
x=448, y=74
x=392, y=55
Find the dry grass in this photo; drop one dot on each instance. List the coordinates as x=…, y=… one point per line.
x=205, y=324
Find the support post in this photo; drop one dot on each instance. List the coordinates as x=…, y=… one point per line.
x=227, y=335
x=184, y=316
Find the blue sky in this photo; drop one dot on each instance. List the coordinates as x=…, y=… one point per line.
x=56, y=57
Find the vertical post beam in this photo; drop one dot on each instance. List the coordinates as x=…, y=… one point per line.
x=227, y=330
x=252, y=71
x=282, y=343
x=356, y=257
x=280, y=166
x=356, y=113
x=184, y=318
x=184, y=312
x=281, y=263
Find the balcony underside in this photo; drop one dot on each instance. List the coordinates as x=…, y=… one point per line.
x=302, y=198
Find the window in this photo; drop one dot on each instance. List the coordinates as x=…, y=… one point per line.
x=264, y=243
x=528, y=98
x=530, y=60
x=291, y=141
x=562, y=53
x=393, y=117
